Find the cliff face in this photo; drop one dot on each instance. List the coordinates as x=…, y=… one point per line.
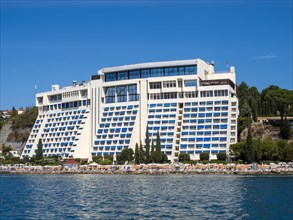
x=5, y=132
x=16, y=129
x=261, y=131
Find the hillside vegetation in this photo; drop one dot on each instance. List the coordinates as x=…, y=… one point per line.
x=272, y=101
x=22, y=125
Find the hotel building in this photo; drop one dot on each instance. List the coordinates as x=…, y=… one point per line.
x=193, y=107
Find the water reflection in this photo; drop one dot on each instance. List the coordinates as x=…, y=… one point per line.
x=145, y=197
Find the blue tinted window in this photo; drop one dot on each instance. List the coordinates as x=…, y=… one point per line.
x=190, y=70
x=122, y=75
x=145, y=73
x=134, y=74
x=190, y=83
x=171, y=71
x=181, y=71
x=183, y=146
x=132, y=89
x=224, y=126
x=200, y=127
x=206, y=145
x=110, y=77
x=121, y=98
x=156, y=72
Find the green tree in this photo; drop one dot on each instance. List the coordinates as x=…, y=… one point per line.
x=109, y=157
x=153, y=152
x=288, y=149
x=106, y=162
x=14, y=113
x=221, y=156
x=249, y=101
x=253, y=107
x=147, y=146
x=249, y=151
x=238, y=150
x=2, y=122
x=158, y=153
x=258, y=150
x=184, y=157
x=254, y=102
x=119, y=159
x=21, y=124
x=39, y=153
x=141, y=153
x=285, y=129
x=243, y=123
x=164, y=158
x=245, y=110
x=97, y=159
x=204, y=156
x=127, y=155
x=267, y=106
x=6, y=150
x=269, y=150
x=281, y=149
x=280, y=100
x=26, y=119
x=242, y=94
x=136, y=154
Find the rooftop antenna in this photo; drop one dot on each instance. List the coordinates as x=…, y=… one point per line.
x=36, y=88
x=227, y=65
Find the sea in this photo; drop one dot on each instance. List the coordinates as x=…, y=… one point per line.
x=176, y=196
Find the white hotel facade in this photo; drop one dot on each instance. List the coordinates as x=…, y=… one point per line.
x=194, y=109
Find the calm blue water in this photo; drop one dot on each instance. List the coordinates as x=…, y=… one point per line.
x=145, y=197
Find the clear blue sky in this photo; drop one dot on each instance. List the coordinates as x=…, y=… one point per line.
x=53, y=42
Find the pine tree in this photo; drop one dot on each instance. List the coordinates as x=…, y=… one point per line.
x=39, y=153
x=141, y=153
x=147, y=146
x=249, y=151
x=14, y=112
x=136, y=154
x=245, y=110
x=158, y=154
x=285, y=130
x=153, y=152
x=258, y=151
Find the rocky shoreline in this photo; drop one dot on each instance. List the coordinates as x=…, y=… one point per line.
x=229, y=169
